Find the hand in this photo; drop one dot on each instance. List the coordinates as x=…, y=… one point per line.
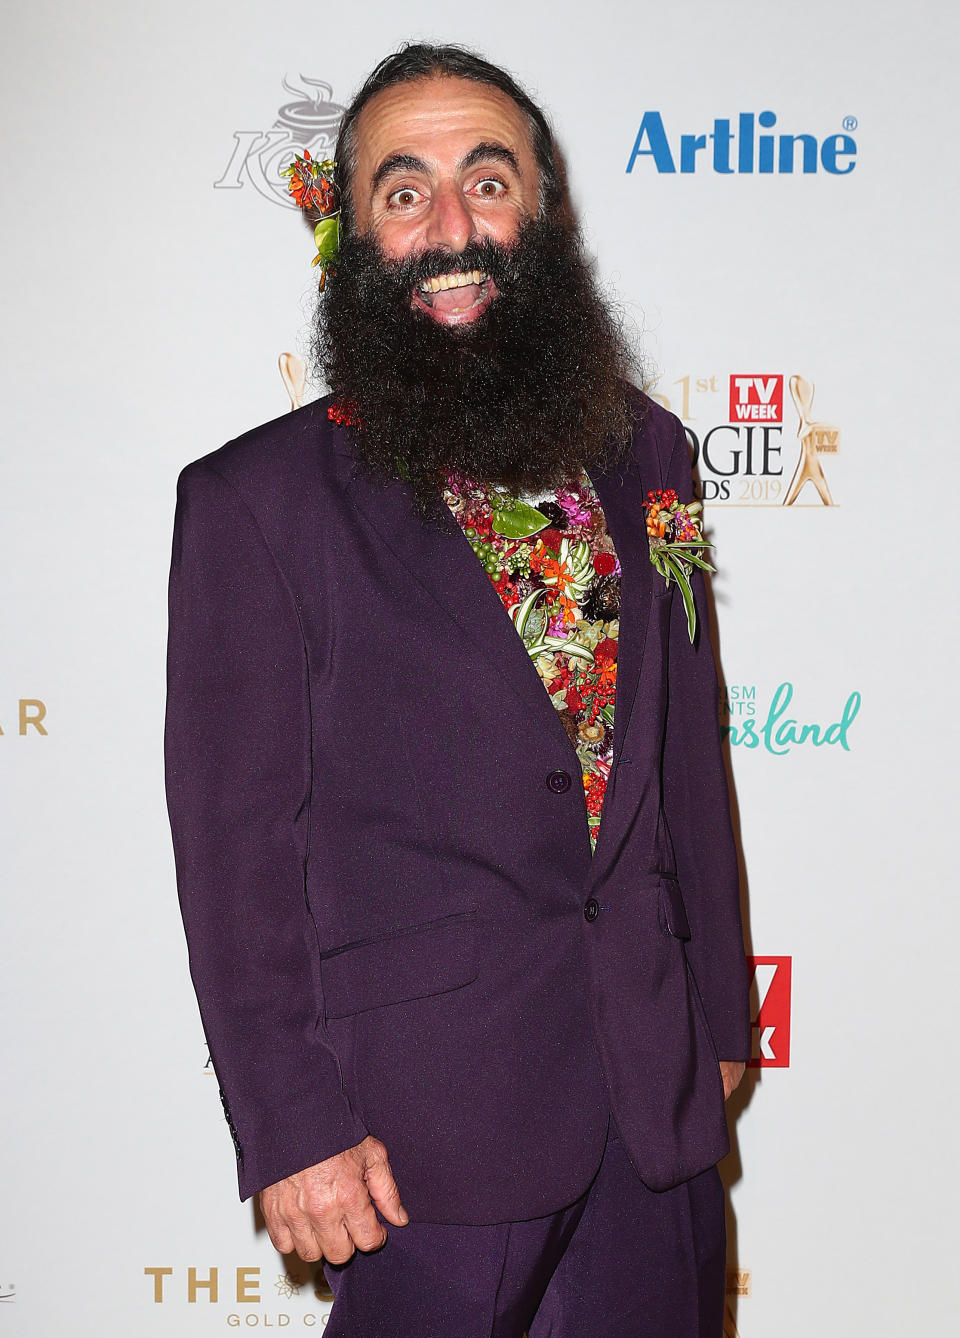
x=731, y=1071
x=327, y=1210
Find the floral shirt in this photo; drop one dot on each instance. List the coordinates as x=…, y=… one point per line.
x=553, y=564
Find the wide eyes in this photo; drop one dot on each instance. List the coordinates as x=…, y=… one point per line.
x=408, y=197
x=489, y=188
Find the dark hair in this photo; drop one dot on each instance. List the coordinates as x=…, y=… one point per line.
x=420, y=60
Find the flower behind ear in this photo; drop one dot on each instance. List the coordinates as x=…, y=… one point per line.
x=313, y=187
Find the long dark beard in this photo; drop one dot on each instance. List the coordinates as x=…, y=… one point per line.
x=524, y=397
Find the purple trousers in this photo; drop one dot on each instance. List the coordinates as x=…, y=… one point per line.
x=621, y=1262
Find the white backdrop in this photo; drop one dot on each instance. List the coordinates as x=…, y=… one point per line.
x=145, y=310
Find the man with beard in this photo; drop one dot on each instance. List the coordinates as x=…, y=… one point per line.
x=452, y=835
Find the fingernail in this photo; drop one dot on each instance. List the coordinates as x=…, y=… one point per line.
x=404, y=1217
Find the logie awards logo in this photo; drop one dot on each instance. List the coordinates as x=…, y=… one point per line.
x=309, y=122
x=735, y=426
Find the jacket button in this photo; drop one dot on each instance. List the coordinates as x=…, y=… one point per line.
x=591, y=910
x=559, y=781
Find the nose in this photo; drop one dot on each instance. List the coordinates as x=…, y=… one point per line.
x=450, y=223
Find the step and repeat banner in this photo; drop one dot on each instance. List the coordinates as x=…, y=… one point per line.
x=770, y=194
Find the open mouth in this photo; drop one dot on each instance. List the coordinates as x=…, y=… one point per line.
x=455, y=298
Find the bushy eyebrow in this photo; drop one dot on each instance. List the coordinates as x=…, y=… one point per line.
x=488, y=152
x=484, y=152
x=397, y=162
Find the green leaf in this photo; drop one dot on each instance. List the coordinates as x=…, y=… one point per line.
x=523, y=611
x=698, y=562
x=519, y=521
x=687, y=593
x=571, y=648
x=538, y=648
x=327, y=236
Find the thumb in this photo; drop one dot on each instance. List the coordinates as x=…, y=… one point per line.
x=382, y=1187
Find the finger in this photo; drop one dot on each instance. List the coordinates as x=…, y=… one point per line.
x=382, y=1186
x=277, y=1229
x=334, y=1243
x=358, y=1216
x=365, y=1229
x=280, y=1235
x=307, y=1240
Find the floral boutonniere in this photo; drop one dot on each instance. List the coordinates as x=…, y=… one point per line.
x=312, y=186
x=675, y=531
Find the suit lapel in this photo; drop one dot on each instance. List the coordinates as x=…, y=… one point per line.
x=442, y=561
x=621, y=495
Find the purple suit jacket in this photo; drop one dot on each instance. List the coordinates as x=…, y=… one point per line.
x=382, y=849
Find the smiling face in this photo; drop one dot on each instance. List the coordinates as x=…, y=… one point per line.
x=443, y=162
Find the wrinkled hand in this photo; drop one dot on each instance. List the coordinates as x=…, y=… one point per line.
x=328, y=1210
x=731, y=1071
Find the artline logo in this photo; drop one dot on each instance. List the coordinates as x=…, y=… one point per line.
x=770, y=1012
x=741, y=460
x=773, y=729
x=310, y=122
x=746, y=149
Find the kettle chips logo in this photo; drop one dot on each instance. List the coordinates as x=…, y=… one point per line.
x=740, y=721
x=765, y=154
x=30, y=712
x=311, y=123
x=740, y=460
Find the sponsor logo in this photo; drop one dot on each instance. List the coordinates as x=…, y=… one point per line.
x=750, y=722
x=756, y=399
x=744, y=459
x=738, y=1282
x=247, y=1287
x=310, y=121
x=743, y=146
x=30, y=716
x=770, y=1013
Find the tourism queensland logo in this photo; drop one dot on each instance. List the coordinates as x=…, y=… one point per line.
x=774, y=721
x=309, y=122
x=755, y=437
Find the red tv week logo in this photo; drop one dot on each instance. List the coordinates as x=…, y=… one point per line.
x=756, y=398
x=770, y=1012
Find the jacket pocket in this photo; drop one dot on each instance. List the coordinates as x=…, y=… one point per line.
x=411, y=963
x=673, y=913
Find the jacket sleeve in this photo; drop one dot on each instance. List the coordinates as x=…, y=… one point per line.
x=238, y=774
x=697, y=808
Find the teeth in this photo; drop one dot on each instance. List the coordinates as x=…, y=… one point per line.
x=457, y=280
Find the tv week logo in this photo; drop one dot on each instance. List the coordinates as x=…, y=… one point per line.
x=770, y=1012
x=756, y=399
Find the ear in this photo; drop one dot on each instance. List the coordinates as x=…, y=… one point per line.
x=294, y=376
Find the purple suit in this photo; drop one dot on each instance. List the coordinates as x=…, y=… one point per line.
x=395, y=922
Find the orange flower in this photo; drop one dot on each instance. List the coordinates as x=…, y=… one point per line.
x=552, y=570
